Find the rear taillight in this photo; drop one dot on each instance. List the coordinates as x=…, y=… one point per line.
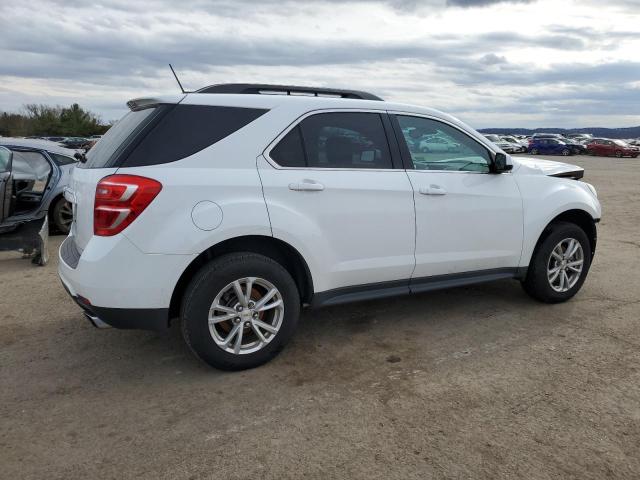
x=119, y=201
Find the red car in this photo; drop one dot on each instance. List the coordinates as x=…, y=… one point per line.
x=609, y=148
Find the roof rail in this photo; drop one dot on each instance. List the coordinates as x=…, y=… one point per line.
x=265, y=89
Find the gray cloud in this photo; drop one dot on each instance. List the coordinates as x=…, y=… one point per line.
x=127, y=45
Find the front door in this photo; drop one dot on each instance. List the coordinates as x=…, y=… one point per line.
x=467, y=219
x=332, y=192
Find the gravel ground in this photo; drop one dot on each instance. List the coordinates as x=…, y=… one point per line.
x=477, y=382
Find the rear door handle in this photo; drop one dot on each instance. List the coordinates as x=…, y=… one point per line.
x=433, y=190
x=306, y=185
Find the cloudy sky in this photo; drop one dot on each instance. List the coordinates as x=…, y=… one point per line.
x=495, y=63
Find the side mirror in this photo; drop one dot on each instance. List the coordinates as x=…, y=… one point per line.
x=501, y=163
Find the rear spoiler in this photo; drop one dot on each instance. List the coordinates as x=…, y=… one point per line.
x=149, y=102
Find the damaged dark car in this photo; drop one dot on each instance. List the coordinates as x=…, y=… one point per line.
x=28, y=181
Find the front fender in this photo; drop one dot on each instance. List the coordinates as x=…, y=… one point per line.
x=544, y=198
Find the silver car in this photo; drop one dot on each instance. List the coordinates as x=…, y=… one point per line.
x=40, y=171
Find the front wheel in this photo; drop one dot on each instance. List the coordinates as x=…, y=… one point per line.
x=534, y=151
x=566, y=152
x=559, y=264
x=618, y=153
x=239, y=311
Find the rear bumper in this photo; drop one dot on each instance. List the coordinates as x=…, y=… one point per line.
x=125, y=318
x=118, y=285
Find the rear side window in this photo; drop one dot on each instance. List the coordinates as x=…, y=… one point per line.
x=62, y=159
x=187, y=129
x=104, y=152
x=335, y=140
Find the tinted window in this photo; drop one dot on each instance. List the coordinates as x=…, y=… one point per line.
x=116, y=138
x=435, y=145
x=187, y=129
x=62, y=159
x=289, y=152
x=345, y=140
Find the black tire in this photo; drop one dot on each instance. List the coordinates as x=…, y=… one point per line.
x=534, y=151
x=536, y=284
x=618, y=154
x=212, y=279
x=61, y=216
x=566, y=152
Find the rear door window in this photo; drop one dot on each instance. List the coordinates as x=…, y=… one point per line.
x=335, y=140
x=289, y=151
x=31, y=171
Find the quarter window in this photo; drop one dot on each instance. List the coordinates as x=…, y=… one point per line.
x=335, y=140
x=434, y=145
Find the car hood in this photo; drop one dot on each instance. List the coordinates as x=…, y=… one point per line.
x=532, y=166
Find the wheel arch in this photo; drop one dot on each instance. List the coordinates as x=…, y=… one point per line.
x=579, y=217
x=271, y=247
x=52, y=203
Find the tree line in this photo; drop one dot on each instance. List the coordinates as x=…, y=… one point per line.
x=45, y=120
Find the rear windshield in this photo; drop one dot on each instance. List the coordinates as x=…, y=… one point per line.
x=167, y=133
x=106, y=149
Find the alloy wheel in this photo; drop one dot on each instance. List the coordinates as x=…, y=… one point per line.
x=246, y=315
x=565, y=265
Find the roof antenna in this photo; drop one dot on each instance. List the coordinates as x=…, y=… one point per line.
x=177, y=79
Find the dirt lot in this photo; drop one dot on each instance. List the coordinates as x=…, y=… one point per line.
x=477, y=382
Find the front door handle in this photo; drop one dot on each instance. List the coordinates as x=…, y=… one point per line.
x=306, y=185
x=433, y=190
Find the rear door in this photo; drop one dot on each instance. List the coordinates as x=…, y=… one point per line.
x=6, y=182
x=333, y=193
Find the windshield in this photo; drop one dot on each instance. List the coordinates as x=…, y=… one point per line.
x=118, y=135
x=493, y=138
x=621, y=143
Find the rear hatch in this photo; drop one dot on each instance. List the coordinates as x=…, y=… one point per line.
x=103, y=159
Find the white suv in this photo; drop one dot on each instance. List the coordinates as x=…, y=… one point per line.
x=232, y=207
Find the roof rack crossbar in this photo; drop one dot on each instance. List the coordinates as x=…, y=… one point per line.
x=256, y=88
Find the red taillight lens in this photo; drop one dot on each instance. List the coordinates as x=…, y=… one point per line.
x=119, y=201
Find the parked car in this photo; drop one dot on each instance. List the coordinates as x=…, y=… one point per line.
x=549, y=146
x=609, y=148
x=55, y=139
x=521, y=146
x=275, y=202
x=506, y=147
x=437, y=144
x=74, y=142
x=41, y=192
x=21, y=228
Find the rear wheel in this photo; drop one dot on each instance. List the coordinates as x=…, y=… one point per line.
x=62, y=216
x=618, y=153
x=559, y=264
x=566, y=152
x=534, y=151
x=239, y=311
